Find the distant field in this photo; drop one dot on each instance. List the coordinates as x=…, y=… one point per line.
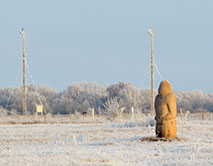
x=82, y=140
x=67, y=119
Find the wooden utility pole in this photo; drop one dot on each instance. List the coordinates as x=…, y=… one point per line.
x=24, y=77
x=152, y=73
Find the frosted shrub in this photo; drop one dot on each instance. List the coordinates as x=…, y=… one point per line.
x=3, y=112
x=111, y=108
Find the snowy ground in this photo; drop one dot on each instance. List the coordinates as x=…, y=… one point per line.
x=105, y=142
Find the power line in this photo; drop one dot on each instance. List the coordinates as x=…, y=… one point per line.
x=144, y=76
x=36, y=88
x=16, y=81
x=156, y=67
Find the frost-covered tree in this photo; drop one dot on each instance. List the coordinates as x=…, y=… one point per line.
x=81, y=97
x=127, y=95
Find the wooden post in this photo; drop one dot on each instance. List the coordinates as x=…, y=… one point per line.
x=24, y=77
x=132, y=111
x=121, y=111
x=93, y=113
x=152, y=72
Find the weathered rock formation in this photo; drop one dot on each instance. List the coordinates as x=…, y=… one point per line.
x=166, y=111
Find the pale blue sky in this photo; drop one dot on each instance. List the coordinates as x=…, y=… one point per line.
x=107, y=41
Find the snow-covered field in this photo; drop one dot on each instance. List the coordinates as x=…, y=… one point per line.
x=101, y=142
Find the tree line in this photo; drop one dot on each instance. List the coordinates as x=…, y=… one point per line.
x=82, y=97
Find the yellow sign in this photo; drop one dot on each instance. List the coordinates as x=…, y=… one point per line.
x=39, y=108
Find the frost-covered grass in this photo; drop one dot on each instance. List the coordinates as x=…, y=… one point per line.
x=88, y=141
